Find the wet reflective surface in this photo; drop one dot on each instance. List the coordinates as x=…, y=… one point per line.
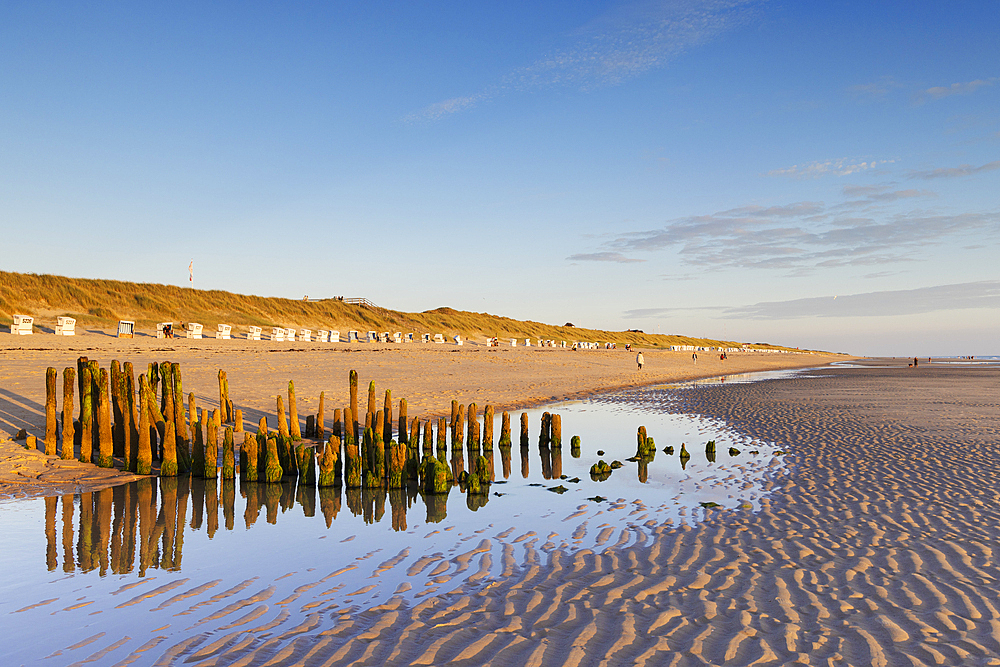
x=149, y=563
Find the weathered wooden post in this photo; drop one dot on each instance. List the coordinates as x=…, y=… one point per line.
x=378, y=457
x=168, y=466
x=106, y=444
x=353, y=422
x=372, y=407
x=378, y=423
x=144, y=456
x=555, y=424
x=237, y=420
x=545, y=435
x=69, y=379
x=414, y=435
x=387, y=417
x=397, y=464
x=504, y=430
x=488, y=419
x=86, y=415
x=305, y=457
x=51, y=428
x=524, y=429
x=574, y=446
x=228, y=455
x=433, y=476
x=458, y=428
x=321, y=418
x=442, y=435
x=197, y=441
x=403, y=422
x=328, y=463
x=249, y=465
x=118, y=427
x=338, y=423
x=352, y=465
x=428, y=445
x=272, y=469
x=181, y=425
x=310, y=431
x=282, y=422
x=293, y=411
x=224, y=398
x=349, y=423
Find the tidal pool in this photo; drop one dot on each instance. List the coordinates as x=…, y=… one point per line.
x=177, y=569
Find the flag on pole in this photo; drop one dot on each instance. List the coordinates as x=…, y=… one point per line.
x=191, y=272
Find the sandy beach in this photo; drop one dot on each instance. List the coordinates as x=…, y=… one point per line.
x=428, y=376
x=875, y=545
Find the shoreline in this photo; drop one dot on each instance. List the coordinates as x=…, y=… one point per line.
x=428, y=376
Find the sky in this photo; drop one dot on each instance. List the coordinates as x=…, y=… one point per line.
x=820, y=175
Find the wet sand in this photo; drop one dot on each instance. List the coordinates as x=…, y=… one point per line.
x=429, y=376
x=877, y=548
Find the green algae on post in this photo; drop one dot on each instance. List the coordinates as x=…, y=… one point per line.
x=272, y=469
x=86, y=415
x=144, y=454
x=352, y=423
x=69, y=379
x=328, y=463
x=228, y=455
x=555, y=428
x=249, y=465
x=504, y=430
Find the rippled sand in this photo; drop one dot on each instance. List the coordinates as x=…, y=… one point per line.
x=877, y=548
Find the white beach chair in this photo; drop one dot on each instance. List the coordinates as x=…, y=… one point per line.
x=513, y=342
x=527, y=342
x=305, y=335
x=353, y=336
x=408, y=338
x=372, y=337
x=323, y=336
x=162, y=328
x=457, y=339
x=334, y=336
x=397, y=337
x=193, y=330
x=278, y=334
x=439, y=338
x=22, y=325
x=425, y=338
x=126, y=329
x=65, y=326
x=224, y=332
x=253, y=333
x=289, y=335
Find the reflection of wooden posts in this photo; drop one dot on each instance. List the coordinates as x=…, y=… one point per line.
x=272, y=501
x=252, y=510
x=505, y=461
x=51, y=375
x=574, y=446
x=305, y=496
x=556, y=454
x=84, y=541
x=504, y=430
x=488, y=419
x=524, y=429
x=86, y=415
x=352, y=423
x=228, y=455
x=545, y=454
x=437, y=507
x=105, y=439
x=354, y=500
x=69, y=379
x=144, y=488
x=397, y=503
x=293, y=413
x=168, y=511
x=229, y=501
x=102, y=500
x=69, y=563
x=525, y=464
x=555, y=423
x=329, y=503
x=51, y=550
x=212, y=506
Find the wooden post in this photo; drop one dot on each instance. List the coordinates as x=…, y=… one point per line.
x=387, y=416
x=545, y=434
x=349, y=427
x=249, y=464
x=86, y=415
x=225, y=415
x=144, y=455
x=106, y=444
x=473, y=417
x=328, y=463
x=238, y=420
x=293, y=411
x=69, y=379
x=282, y=423
x=168, y=466
x=403, y=421
x=556, y=431
x=372, y=407
x=272, y=469
x=51, y=375
x=488, y=419
x=321, y=418
x=305, y=458
x=228, y=455
x=353, y=423
x=428, y=448
x=442, y=434
x=524, y=429
x=458, y=428
x=504, y=430
x=352, y=465
x=397, y=464
x=212, y=444
x=180, y=422
x=197, y=442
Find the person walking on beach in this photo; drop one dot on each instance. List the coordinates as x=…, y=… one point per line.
x=694, y=357
x=639, y=360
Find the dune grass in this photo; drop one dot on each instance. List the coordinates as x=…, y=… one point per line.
x=101, y=303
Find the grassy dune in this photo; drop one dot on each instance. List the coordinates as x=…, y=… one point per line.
x=101, y=303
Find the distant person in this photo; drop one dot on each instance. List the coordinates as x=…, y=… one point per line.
x=639, y=360
x=914, y=362
x=694, y=357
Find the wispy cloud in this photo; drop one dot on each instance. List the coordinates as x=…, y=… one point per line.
x=603, y=257
x=954, y=172
x=639, y=36
x=961, y=88
x=802, y=237
x=875, y=90
x=962, y=296
x=837, y=167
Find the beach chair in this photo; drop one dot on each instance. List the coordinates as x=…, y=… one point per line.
x=193, y=330
x=353, y=336
x=513, y=342
x=65, y=326
x=384, y=337
x=126, y=329
x=306, y=335
x=22, y=325
x=425, y=338
x=335, y=336
x=372, y=337
x=457, y=339
x=323, y=336
x=562, y=344
x=397, y=337
x=439, y=338
x=253, y=333
x=527, y=342
x=408, y=338
x=163, y=328
x=290, y=335
x=224, y=332
x=278, y=334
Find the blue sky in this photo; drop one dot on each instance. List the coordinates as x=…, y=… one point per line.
x=705, y=168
